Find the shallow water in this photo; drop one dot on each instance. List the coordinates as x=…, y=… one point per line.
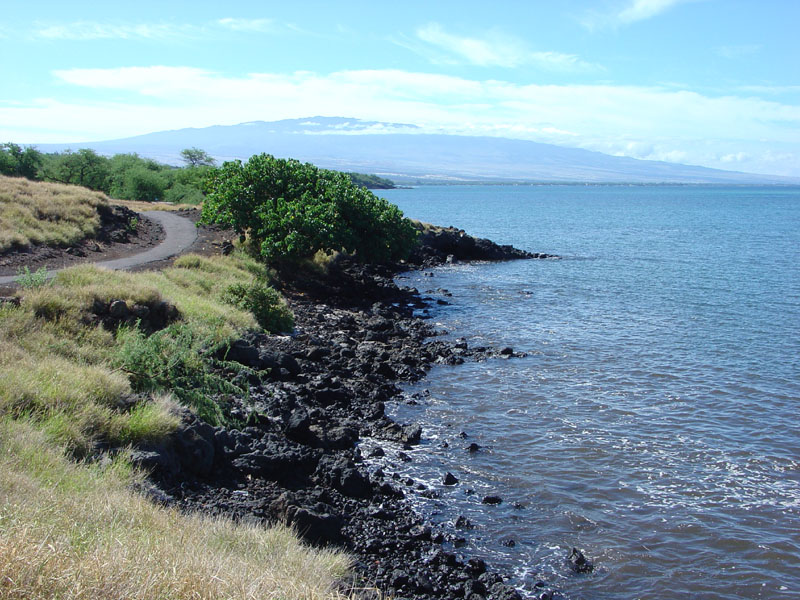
x=654, y=423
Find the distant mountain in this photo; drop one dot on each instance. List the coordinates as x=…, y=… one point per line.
x=405, y=154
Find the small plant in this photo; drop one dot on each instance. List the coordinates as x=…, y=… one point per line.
x=264, y=302
x=133, y=225
x=29, y=280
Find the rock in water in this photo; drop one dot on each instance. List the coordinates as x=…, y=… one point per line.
x=579, y=563
x=450, y=479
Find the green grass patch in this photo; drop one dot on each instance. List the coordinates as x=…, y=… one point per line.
x=58, y=365
x=266, y=305
x=176, y=359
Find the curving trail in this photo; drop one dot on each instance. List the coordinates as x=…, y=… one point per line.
x=180, y=233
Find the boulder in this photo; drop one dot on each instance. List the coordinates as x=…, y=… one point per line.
x=243, y=353
x=450, y=479
x=194, y=446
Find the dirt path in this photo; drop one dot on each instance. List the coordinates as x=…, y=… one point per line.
x=180, y=234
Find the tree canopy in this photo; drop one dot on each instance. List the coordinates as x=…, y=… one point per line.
x=291, y=210
x=132, y=177
x=195, y=157
x=18, y=162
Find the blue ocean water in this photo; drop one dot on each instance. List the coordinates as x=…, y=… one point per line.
x=655, y=422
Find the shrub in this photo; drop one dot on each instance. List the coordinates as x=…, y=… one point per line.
x=27, y=280
x=265, y=303
x=178, y=360
x=181, y=193
x=291, y=210
x=141, y=183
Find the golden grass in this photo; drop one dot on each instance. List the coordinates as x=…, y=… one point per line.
x=50, y=214
x=139, y=206
x=75, y=532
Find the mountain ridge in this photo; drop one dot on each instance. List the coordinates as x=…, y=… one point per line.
x=405, y=153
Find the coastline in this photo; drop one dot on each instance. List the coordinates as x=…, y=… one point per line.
x=296, y=457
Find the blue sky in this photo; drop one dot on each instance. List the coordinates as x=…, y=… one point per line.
x=707, y=82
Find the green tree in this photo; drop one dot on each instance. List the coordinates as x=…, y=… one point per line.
x=371, y=182
x=18, y=162
x=291, y=210
x=195, y=157
x=141, y=183
x=182, y=193
x=84, y=167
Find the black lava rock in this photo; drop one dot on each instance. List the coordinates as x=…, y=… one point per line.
x=450, y=479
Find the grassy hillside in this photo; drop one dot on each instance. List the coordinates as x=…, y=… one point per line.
x=51, y=214
x=75, y=531
x=100, y=358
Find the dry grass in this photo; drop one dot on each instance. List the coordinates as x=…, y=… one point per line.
x=424, y=228
x=139, y=206
x=48, y=214
x=77, y=532
x=195, y=284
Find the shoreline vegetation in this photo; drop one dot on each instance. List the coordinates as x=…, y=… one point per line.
x=159, y=431
x=130, y=176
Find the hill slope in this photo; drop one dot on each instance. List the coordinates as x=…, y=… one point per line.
x=403, y=153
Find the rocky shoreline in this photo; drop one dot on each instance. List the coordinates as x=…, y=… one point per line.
x=313, y=396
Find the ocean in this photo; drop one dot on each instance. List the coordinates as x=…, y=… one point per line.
x=655, y=421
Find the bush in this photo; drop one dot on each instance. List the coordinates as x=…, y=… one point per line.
x=175, y=359
x=291, y=210
x=141, y=183
x=181, y=193
x=18, y=162
x=264, y=302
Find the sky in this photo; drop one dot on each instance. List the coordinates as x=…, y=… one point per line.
x=703, y=82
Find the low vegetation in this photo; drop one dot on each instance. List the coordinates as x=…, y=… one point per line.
x=128, y=176
x=46, y=213
x=75, y=531
x=50, y=327
x=73, y=377
x=371, y=182
x=290, y=210
x=104, y=359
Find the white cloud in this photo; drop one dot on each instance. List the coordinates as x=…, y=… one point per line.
x=639, y=10
x=643, y=122
x=158, y=81
x=737, y=51
x=627, y=12
x=770, y=90
x=89, y=30
x=93, y=30
x=495, y=49
x=734, y=158
x=251, y=25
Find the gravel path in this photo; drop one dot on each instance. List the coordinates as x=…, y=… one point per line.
x=180, y=234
